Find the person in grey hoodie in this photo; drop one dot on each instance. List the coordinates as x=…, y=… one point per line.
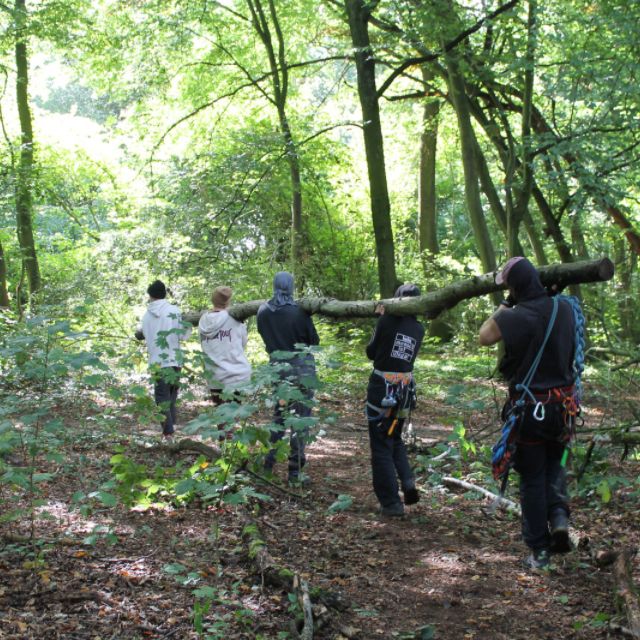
x=223, y=341
x=162, y=329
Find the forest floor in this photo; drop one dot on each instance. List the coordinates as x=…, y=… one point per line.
x=446, y=570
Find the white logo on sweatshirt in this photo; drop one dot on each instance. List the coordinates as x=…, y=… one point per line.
x=403, y=347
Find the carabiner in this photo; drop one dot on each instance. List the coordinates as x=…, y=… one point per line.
x=538, y=412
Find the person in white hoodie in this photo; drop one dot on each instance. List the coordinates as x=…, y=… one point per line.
x=162, y=329
x=223, y=342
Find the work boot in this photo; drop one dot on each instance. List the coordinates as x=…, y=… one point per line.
x=411, y=495
x=395, y=510
x=539, y=559
x=559, y=526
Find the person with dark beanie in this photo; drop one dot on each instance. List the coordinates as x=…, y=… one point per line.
x=522, y=321
x=283, y=325
x=162, y=329
x=390, y=397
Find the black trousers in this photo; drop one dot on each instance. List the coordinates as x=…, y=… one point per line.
x=165, y=393
x=543, y=486
x=294, y=414
x=389, y=461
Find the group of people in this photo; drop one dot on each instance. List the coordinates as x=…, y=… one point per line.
x=531, y=326
x=286, y=330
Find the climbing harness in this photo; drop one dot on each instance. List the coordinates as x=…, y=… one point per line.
x=503, y=452
x=398, y=401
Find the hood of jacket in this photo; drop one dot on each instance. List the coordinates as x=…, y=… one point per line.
x=157, y=307
x=212, y=321
x=524, y=280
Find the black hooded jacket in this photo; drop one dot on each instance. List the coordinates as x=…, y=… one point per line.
x=523, y=328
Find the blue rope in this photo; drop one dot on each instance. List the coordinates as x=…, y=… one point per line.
x=578, y=359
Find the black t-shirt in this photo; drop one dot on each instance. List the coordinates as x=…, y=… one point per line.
x=523, y=329
x=395, y=343
x=286, y=326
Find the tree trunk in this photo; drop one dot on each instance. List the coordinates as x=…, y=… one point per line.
x=280, y=88
x=4, y=289
x=432, y=304
x=534, y=239
x=627, y=306
x=523, y=190
x=358, y=13
x=428, y=222
x=24, y=178
x=467, y=144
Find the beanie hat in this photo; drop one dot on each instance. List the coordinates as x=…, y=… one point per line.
x=408, y=290
x=221, y=297
x=157, y=290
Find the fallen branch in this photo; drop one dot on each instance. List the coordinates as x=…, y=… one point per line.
x=432, y=304
x=212, y=453
x=19, y=539
x=625, y=591
x=508, y=505
x=315, y=615
x=301, y=589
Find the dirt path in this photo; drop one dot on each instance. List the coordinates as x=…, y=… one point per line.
x=444, y=571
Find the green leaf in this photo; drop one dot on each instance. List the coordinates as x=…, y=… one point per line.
x=342, y=503
x=107, y=499
x=185, y=486
x=604, y=491
x=42, y=477
x=206, y=592
x=174, y=569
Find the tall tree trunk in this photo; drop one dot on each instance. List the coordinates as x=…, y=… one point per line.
x=358, y=13
x=467, y=144
x=627, y=306
x=428, y=221
x=534, y=239
x=24, y=177
x=276, y=55
x=4, y=289
x=523, y=189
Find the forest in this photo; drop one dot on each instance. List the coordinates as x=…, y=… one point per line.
x=357, y=145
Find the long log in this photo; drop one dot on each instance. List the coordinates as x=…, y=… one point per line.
x=626, y=591
x=432, y=304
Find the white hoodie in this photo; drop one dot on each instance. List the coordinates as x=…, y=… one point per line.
x=223, y=341
x=162, y=328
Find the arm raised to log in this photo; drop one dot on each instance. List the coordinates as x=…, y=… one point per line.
x=432, y=304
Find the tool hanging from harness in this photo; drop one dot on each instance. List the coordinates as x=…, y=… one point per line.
x=398, y=401
x=504, y=450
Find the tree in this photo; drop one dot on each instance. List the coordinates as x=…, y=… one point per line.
x=279, y=77
x=4, y=291
x=358, y=15
x=25, y=169
x=428, y=218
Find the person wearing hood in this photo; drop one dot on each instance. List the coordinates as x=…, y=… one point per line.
x=283, y=326
x=223, y=341
x=162, y=329
x=393, y=348
x=521, y=322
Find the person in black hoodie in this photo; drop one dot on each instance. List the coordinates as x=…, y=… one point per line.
x=390, y=394
x=283, y=325
x=521, y=322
